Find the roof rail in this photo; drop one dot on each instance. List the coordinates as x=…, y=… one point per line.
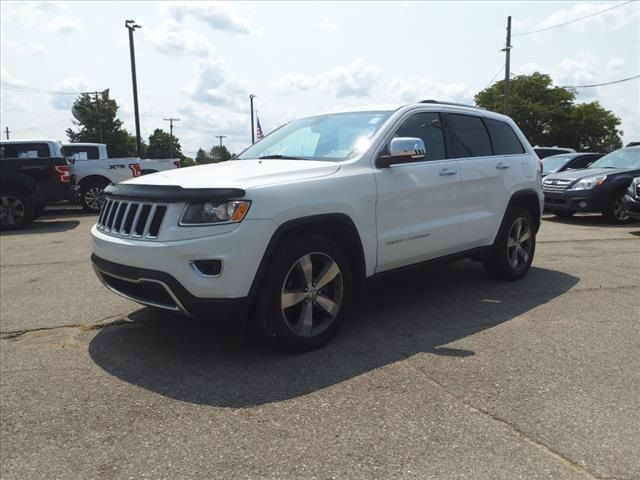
x=452, y=103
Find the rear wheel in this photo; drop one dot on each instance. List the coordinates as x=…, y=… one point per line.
x=512, y=253
x=304, y=294
x=91, y=195
x=615, y=212
x=16, y=210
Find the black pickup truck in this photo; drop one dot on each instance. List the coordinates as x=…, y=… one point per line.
x=32, y=174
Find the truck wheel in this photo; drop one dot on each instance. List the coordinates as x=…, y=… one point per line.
x=16, y=210
x=615, y=213
x=304, y=295
x=512, y=252
x=91, y=195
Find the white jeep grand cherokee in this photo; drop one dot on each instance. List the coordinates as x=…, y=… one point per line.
x=293, y=226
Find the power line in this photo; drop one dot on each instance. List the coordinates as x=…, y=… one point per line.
x=602, y=84
x=494, y=77
x=572, y=21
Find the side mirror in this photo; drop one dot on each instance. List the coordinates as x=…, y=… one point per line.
x=403, y=150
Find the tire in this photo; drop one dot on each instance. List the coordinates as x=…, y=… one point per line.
x=314, y=314
x=513, y=250
x=563, y=213
x=615, y=213
x=16, y=210
x=90, y=195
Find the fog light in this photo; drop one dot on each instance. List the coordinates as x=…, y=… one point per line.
x=582, y=204
x=207, y=268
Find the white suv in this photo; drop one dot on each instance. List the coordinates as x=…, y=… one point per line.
x=290, y=229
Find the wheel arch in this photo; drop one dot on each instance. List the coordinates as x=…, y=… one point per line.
x=529, y=200
x=339, y=227
x=93, y=178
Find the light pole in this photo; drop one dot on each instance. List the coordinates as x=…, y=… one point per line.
x=171, y=120
x=220, y=137
x=131, y=25
x=253, y=137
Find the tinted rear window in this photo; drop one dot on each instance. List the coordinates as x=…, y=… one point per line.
x=81, y=153
x=468, y=136
x=25, y=150
x=505, y=141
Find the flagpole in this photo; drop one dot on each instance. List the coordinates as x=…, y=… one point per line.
x=253, y=138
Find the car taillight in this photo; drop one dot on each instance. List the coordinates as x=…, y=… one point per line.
x=176, y=163
x=63, y=173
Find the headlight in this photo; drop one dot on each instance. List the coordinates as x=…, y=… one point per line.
x=589, y=183
x=206, y=213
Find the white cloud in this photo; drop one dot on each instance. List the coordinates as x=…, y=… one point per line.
x=417, y=89
x=610, y=20
x=326, y=24
x=73, y=85
x=214, y=85
x=218, y=15
x=62, y=25
x=172, y=39
x=355, y=80
x=27, y=48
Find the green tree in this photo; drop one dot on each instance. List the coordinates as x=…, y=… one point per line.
x=549, y=116
x=220, y=154
x=92, y=117
x=160, y=145
x=202, y=157
x=186, y=161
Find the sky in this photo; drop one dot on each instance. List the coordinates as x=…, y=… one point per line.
x=199, y=61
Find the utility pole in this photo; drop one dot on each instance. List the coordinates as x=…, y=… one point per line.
x=171, y=120
x=7, y=132
x=99, y=114
x=220, y=137
x=507, y=67
x=131, y=25
x=253, y=137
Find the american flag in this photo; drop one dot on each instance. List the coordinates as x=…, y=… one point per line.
x=259, y=133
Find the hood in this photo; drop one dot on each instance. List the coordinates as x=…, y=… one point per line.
x=584, y=173
x=243, y=174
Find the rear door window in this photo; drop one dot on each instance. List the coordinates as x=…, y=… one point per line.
x=467, y=136
x=81, y=153
x=505, y=141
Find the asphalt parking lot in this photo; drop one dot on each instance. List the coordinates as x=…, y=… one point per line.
x=439, y=373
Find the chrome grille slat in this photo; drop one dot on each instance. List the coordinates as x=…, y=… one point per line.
x=115, y=215
x=554, y=186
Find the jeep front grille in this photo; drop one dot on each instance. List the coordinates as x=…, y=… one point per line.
x=555, y=185
x=131, y=218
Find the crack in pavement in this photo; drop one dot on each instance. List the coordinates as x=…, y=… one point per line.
x=110, y=321
x=537, y=444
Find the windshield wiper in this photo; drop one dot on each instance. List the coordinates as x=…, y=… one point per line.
x=279, y=157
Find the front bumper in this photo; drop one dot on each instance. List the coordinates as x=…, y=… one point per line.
x=632, y=206
x=159, y=289
x=576, y=201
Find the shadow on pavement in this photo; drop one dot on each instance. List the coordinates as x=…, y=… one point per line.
x=49, y=226
x=400, y=315
x=585, y=221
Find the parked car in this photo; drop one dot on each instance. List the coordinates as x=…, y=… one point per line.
x=301, y=219
x=92, y=170
x=632, y=199
x=33, y=174
x=568, y=161
x=599, y=188
x=544, y=152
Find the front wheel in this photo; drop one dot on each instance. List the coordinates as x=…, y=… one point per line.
x=615, y=212
x=91, y=195
x=304, y=294
x=16, y=210
x=512, y=252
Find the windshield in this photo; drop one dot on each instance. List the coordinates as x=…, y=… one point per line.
x=623, y=158
x=333, y=137
x=554, y=163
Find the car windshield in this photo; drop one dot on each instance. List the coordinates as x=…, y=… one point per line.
x=554, y=163
x=333, y=137
x=623, y=158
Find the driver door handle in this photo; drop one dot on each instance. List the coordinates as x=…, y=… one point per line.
x=448, y=171
x=502, y=166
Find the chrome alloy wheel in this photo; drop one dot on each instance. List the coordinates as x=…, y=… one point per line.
x=93, y=198
x=519, y=243
x=311, y=296
x=618, y=209
x=12, y=210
